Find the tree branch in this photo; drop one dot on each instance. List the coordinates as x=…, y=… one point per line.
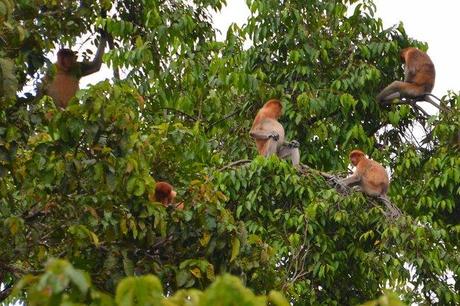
x=393, y=212
x=236, y=163
x=190, y=117
x=5, y=293
x=222, y=119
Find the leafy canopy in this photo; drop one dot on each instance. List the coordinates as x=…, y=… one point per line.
x=75, y=184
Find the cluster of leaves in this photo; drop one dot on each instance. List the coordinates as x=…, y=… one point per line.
x=87, y=169
x=77, y=184
x=319, y=234
x=61, y=284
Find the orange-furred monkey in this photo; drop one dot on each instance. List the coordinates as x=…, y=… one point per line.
x=165, y=194
x=62, y=80
x=369, y=175
x=269, y=133
x=419, y=75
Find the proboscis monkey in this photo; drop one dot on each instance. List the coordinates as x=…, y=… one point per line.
x=62, y=81
x=419, y=76
x=369, y=175
x=165, y=194
x=269, y=133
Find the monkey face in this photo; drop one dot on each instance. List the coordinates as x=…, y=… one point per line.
x=67, y=61
x=355, y=156
x=354, y=160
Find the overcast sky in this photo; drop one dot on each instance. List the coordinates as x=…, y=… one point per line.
x=435, y=22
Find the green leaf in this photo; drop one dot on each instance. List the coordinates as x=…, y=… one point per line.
x=143, y=290
x=235, y=248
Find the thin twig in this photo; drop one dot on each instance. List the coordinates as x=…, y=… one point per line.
x=116, y=71
x=179, y=112
x=297, y=261
x=410, y=102
x=236, y=163
x=223, y=119
x=393, y=211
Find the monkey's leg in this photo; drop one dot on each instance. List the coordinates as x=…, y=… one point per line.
x=270, y=147
x=411, y=90
x=390, y=92
x=289, y=151
x=399, y=89
x=292, y=144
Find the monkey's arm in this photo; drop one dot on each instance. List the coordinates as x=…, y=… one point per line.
x=352, y=180
x=264, y=135
x=410, y=72
x=46, y=80
x=94, y=66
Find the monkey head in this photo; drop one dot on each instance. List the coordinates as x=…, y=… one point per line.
x=356, y=156
x=164, y=193
x=273, y=107
x=66, y=59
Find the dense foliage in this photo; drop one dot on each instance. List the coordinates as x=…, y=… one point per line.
x=76, y=184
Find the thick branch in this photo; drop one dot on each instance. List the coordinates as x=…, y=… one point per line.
x=5, y=293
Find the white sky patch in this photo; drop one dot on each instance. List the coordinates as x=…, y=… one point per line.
x=236, y=11
x=434, y=22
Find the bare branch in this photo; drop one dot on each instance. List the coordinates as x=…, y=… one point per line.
x=235, y=163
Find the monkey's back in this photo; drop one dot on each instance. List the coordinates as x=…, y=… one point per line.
x=422, y=72
x=376, y=181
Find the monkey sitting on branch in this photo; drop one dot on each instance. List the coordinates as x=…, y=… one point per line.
x=165, y=194
x=269, y=133
x=419, y=77
x=372, y=179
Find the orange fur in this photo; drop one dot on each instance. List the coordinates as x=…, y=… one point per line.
x=419, y=76
x=165, y=194
x=267, y=119
x=419, y=69
x=369, y=174
x=62, y=88
x=268, y=133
